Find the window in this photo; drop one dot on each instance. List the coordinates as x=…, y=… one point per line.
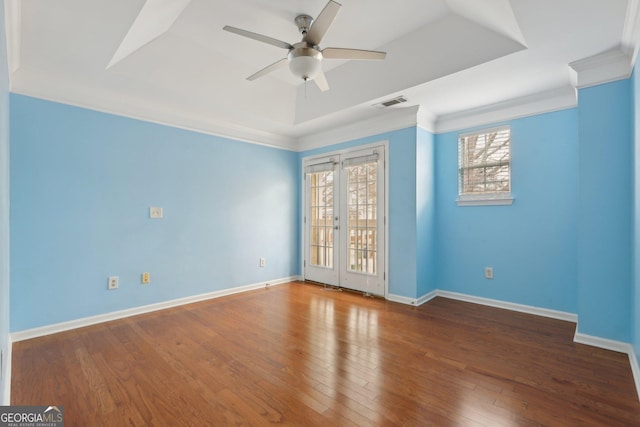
x=484, y=167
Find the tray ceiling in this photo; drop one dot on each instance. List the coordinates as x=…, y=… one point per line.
x=446, y=56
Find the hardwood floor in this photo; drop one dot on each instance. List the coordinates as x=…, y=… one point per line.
x=298, y=354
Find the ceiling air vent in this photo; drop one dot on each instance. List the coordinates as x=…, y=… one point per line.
x=391, y=102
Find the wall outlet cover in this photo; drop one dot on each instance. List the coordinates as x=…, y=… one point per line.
x=155, y=212
x=113, y=282
x=488, y=272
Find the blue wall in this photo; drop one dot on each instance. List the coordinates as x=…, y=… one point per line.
x=81, y=186
x=4, y=202
x=425, y=212
x=605, y=211
x=403, y=226
x=531, y=244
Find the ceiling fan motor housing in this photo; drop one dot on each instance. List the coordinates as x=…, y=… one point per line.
x=305, y=61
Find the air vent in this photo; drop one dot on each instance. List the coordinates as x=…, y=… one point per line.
x=391, y=102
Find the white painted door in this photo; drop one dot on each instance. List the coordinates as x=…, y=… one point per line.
x=344, y=220
x=321, y=221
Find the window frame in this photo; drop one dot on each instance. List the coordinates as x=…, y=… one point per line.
x=484, y=198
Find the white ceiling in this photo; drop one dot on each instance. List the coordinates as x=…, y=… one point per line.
x=447, y=56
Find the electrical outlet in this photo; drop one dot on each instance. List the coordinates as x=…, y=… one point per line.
x=263, y=262
x=113, y=282
x=488, y=272
x=146, y=278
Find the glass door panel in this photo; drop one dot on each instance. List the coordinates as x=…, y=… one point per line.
x=364, y=198
x=320, y=230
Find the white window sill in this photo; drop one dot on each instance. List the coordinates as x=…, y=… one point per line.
x=485, y=201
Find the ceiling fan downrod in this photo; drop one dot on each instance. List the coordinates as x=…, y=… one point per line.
x=304, y=23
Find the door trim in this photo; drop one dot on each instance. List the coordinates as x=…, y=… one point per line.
x=303, y=160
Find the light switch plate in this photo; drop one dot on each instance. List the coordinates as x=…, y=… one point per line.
x=155, y=212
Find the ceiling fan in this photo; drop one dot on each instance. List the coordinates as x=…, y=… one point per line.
x=305, y=57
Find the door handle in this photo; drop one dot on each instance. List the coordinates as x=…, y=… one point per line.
x=336, y=227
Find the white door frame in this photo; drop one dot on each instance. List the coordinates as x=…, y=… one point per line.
x=303, y=202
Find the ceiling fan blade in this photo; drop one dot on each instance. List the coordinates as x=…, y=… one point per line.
x=258, y=37
x=342, y=53
x=154, y=19
x=321, y=81
x=322, y=23
x=266, y=70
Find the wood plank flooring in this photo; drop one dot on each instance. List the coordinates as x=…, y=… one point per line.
x=298, y=354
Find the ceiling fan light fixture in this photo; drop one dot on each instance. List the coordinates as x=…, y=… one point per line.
x=305, y=62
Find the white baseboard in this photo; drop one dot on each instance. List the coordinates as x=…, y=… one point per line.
x=605, y=343
x=92, y=320
x=401, y=299
x=6, y=401
x=635, y=368
x=427, y=297
x=544, y=312
x=619, y=346
x=411, y=301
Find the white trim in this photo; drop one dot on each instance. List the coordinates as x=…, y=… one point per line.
x=387, y=190
x=412, y=301
x=544, y=312
x=389, y=121
x=315, y=157
x=605, y=67
x=402, y=299
x=631, y=30
x=635, y=369
x=7, y=374
x=605, y=343
x=170, y=118
x=427, y=297
x=557, y=99
x=482, y=131
x=92, y=320
x=426, y=119
x=613, y=345
x=485, y=201
x=13, y=23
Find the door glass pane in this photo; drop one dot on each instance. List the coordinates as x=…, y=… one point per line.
x=321, y=213
x=362, y=218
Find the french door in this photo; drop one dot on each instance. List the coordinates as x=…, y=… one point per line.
x=344, y=220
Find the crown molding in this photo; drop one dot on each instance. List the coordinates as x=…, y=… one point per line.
x=13, y=23
x=139, y=109
x=608, y=66
x=426, y=119
x=544, y=102
x=388, y=121
x=631, y=31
